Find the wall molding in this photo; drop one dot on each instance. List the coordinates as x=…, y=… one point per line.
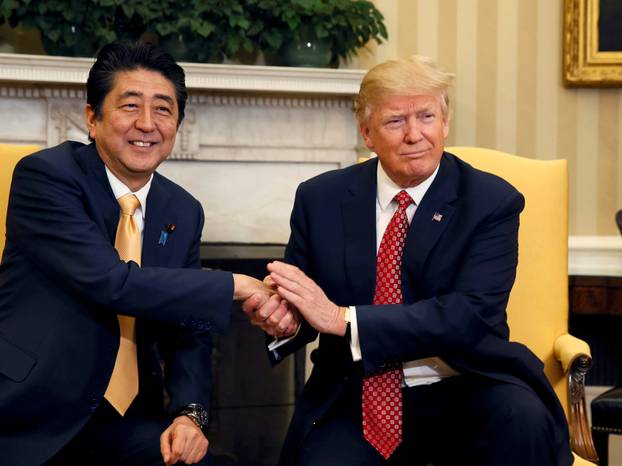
x=21, y=68
x=595, y=255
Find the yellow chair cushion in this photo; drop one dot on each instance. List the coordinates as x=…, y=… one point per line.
x=9, y=156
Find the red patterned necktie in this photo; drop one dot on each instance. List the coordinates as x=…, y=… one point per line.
x=382, y=393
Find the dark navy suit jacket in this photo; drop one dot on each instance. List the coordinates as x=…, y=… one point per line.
x=62, y=284
x=459, y=266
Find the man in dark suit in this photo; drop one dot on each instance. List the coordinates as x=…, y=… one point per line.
x=65, y=291
x=404, y=264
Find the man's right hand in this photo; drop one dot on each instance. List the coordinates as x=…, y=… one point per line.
x=244, y=287
x=273, y=316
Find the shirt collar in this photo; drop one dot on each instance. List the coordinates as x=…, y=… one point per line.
x=387, y=188
x=119, y=190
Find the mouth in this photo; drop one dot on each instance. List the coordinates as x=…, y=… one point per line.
x=142, y=143
x=415, y=153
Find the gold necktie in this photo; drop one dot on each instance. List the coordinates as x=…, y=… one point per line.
x=123, y=385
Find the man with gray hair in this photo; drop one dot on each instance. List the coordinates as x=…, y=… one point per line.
x=404, y=265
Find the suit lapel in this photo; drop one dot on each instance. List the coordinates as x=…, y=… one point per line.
x=158, y=217
x=431, y=217
x=102, y=195
x=359, y=217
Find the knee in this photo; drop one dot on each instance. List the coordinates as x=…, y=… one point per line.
x=525, y=417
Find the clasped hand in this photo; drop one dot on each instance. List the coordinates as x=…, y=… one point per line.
x=293, y=295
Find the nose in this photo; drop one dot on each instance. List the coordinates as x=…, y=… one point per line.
x=412, y=133
x=144, y=122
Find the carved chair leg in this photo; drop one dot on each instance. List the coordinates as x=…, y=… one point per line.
x=582, y=442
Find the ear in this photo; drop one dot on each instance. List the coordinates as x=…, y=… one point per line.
x=91, y=119
x=365, y=131
x=445, y=127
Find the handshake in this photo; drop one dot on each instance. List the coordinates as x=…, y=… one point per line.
x=285, y=297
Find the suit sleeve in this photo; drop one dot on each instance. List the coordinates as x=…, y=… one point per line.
x=49, y=223
x=457, y=318
x=296, y=254
x=186, y=352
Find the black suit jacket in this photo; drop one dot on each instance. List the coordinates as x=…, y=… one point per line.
x=459, y=265
x=62, y=284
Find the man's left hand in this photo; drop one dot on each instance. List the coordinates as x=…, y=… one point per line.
x=183, y=441
x=319, y=311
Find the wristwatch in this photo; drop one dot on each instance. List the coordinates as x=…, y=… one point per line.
x=197, y=414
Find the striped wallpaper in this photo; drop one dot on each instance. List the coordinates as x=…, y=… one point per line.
x=509, y=95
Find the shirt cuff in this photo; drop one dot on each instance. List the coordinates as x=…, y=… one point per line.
x=278, y=342
x=355, y=345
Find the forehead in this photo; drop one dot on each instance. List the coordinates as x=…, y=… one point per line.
x=146, y=83
x=408, y=104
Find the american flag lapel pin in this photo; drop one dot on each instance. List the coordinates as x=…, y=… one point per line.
x=437, y=217
x=170, y=228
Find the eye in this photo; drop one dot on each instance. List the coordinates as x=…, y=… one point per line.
x=129, y=106
x=394, y=122
x=164, y=110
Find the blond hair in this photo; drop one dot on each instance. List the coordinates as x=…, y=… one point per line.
x=415, y=75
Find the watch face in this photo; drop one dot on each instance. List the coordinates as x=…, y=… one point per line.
x=197, y=414
x=202, y=417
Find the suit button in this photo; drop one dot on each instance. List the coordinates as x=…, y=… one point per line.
x=94, y=403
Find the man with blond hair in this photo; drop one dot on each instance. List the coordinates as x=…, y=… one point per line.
x=404, y=264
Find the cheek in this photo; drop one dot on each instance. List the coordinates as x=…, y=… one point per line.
x=168, y=131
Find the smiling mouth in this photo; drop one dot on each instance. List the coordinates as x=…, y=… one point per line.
x=142, y=143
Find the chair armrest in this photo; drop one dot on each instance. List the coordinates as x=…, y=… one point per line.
x=576, y=360
x=568, y=348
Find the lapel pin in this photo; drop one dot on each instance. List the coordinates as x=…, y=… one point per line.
x=437, y=217
x=170, y=228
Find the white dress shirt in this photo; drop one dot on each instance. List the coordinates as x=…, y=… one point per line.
x=119, y=190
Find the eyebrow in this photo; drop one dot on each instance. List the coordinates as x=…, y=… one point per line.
x=395, y=114
x=164, y=97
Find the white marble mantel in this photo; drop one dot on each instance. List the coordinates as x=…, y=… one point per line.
x=19, y=68
x=251, y=133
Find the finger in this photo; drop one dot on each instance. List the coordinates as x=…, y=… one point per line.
x=291, y=285
x=269, y=282
x=199, y=450
x=275, y=318
x=265, y=311
x=291, y=330
x=294, y=324
x=293, y=298
x=165, y=447
x=284, y=323
x=290, y=272
x=251, y=303
x=278, y=330
x=177, y=446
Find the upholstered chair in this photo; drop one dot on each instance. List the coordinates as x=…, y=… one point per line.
x=538, y=306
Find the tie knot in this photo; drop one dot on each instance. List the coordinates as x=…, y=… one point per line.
x=129, y=203
x=403, y=199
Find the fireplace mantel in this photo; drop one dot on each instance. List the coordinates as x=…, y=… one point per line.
x=251, y=133
x=17, y=68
